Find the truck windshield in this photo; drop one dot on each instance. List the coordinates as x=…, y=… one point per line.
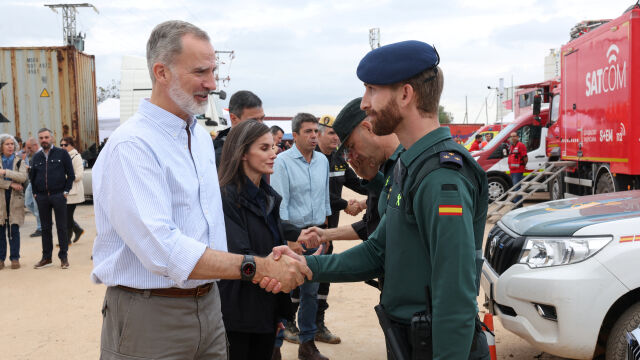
x=501, y=136
x=555, y=109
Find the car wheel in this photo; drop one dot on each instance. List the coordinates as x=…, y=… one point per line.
x=605, y=184
x=555, y=188
x=497, y=187
x=617, y=341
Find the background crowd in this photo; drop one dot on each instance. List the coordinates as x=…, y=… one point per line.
x=40, y=177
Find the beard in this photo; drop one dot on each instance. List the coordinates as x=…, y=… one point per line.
x=186, y=102
x=385, y=121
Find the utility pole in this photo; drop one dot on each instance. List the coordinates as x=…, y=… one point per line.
x=69, y=11
x=499, y=99
x=486, y=109
x=374, y=38
x=466, y=111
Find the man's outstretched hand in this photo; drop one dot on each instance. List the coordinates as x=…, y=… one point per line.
x=285, y=253
x=283, y=273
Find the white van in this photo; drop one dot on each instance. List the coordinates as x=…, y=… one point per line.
x=565, y=275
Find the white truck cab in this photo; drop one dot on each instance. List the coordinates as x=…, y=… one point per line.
x=565, y=275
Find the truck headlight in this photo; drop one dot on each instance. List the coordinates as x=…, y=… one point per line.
x=542, y=252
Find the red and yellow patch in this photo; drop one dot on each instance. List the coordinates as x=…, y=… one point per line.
x=624, y=239
x=455, y=210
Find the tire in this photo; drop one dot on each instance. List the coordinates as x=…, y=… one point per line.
x=497, y=187
x=555, y=188
x=617, y=342
x=606, y=183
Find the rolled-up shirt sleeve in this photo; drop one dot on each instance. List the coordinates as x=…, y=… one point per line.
x=140, y=211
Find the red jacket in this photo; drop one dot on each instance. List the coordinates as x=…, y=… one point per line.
x=475, y=146
x=517, y=154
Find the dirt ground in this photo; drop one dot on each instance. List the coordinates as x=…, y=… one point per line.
x=55, y=314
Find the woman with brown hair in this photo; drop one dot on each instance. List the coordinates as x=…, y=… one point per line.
x=76, y=194
x=13, y=174
x=252, y=220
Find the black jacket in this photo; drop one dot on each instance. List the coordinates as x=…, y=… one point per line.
x=218, y=143
x=52, y=175
x=245, y=306
x=340, y=175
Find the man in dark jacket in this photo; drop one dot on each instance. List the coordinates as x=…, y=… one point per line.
x=243, y=105
x=340, y=175
x=51, y=175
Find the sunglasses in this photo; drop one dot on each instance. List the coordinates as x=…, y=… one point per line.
x=64, y=145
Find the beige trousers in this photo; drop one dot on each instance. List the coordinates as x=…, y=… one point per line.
x=141, y=326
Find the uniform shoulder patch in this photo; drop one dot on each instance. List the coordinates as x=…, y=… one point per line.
x=451, y=159
x=450, y=210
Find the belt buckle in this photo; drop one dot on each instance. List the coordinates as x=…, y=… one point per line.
x=202, y=290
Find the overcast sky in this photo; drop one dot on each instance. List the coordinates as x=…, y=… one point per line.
x=302, y=55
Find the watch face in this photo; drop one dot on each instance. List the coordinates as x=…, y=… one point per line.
x=249, y=269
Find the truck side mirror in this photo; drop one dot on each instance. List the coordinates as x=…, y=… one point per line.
x=537, y=103
x=505, y=150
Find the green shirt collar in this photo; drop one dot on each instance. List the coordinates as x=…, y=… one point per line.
x=396, y=154
x=440, y=134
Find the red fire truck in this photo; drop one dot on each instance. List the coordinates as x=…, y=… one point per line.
x=532, y=129
x=587, y=116
x=595, y=112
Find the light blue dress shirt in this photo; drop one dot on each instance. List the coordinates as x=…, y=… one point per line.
x=157, y=206
x=304, y=187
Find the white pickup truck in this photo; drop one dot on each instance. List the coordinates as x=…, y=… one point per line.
x=565, y=275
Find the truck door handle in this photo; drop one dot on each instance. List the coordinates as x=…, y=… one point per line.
x=539, y=156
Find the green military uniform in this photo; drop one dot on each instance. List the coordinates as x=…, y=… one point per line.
x=433, y=243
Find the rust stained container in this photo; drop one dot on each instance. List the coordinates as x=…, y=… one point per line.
x=52, y=87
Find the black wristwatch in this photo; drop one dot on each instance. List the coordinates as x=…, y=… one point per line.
x=247, y=268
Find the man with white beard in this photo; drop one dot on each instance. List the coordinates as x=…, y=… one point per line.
x=161, y=242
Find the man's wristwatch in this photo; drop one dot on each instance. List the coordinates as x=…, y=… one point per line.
x=247, y=268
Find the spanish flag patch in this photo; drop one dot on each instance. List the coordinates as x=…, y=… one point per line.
x=455, y=210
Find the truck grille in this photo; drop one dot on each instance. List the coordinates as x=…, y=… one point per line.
x=502, y=250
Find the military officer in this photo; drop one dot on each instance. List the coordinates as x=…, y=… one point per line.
x=428, y=243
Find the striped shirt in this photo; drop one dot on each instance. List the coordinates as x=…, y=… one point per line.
x=304, y=187
x=157, y=205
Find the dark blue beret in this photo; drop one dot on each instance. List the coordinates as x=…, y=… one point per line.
x=392, y=63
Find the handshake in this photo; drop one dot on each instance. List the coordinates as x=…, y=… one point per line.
x=283, y=270
x=355, y=207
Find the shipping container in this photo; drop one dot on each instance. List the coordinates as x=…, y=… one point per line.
x=52, y=87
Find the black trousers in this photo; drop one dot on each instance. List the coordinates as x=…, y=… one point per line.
x=250, y=346
x=58, y=203
x=71, y=224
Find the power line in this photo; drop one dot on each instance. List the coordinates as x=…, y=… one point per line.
x=69, y=11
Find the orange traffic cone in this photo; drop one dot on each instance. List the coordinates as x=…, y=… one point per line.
x=491, y=340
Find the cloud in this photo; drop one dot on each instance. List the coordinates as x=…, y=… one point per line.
x=302, y=56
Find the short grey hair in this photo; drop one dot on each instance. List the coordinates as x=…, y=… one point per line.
x=45, y=129
x=165, y=42
x=4, y=138
x=322, y=128
x=296, y=122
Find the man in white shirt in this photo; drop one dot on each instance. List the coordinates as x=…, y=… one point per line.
x=161, y=241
